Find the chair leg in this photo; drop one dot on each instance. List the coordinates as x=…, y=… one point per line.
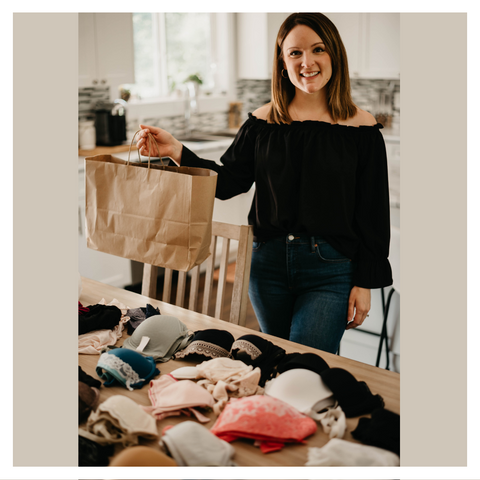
x=149, y=282
x=383, y=300
x=383, y=335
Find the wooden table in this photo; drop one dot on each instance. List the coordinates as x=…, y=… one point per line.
x=380, y=381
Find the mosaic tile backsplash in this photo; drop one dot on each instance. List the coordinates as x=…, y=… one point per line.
x=87, y=98
x=365, y=92
x=252, y=94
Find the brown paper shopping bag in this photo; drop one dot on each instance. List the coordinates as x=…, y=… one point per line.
x=154, y=214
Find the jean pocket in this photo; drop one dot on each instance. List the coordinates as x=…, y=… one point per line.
x=257, y=246
x=326, y=253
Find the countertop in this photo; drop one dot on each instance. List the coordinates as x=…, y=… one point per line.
x=121, y=151
x=391, y=134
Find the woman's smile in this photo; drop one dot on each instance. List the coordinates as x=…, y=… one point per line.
x=309, y=74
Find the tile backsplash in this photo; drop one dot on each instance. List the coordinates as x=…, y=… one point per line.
x=365, y=92
x=87, y=98
x=252, y=94
x=200, y=122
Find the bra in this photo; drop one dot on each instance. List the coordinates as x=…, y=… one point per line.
x=129, y=368
x=160, y=337
x=303, y=389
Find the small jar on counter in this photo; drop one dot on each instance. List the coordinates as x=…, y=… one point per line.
x=86, y=135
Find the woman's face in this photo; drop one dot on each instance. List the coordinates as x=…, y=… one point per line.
x=308, y=65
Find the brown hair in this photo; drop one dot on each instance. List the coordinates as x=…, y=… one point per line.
x=340, y=104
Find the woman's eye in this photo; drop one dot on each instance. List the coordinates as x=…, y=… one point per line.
x=295, y=53
x=319, y=50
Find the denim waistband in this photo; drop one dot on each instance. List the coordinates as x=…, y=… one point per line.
x=300, y=239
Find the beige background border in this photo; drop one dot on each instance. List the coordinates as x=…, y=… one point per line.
x=45, y=259
x=433, y=221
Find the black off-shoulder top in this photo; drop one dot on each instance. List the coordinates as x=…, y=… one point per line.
x=313, y=177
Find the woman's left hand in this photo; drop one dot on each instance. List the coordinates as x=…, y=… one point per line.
x=358, y=304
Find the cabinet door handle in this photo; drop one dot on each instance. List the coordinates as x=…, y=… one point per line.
x=95, y=82
x=104, y=82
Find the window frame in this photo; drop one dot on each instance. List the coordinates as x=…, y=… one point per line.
x=222, y=47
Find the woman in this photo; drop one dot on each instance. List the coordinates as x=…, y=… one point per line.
x=321, y=209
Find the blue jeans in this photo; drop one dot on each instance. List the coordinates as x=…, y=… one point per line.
x=299, y=289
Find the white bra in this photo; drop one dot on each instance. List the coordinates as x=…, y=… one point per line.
x=303, y=389
x=307, y=392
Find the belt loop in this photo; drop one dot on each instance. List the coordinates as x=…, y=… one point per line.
x=312, y=244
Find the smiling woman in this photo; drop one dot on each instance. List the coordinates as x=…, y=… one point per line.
x=320, y=214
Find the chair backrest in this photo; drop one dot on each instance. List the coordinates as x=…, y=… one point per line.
x=238, y=309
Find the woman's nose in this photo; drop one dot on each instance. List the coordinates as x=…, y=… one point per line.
x=307, y=60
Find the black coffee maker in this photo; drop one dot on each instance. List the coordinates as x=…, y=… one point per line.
x=111, y=122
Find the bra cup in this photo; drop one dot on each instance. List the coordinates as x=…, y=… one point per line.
x=302, y=389
x=165, y=335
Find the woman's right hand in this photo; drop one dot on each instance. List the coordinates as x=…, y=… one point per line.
x=166, y=144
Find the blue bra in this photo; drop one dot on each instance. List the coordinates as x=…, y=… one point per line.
x=131, y=369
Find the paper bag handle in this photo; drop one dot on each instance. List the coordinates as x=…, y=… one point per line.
x=151, y=140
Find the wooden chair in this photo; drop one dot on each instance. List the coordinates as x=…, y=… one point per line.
x=238, y=310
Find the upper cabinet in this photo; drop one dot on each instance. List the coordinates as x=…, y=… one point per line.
x=256, y=35
x=105, y=50
x=372, y=41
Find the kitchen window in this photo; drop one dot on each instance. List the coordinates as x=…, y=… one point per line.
x=169, y=47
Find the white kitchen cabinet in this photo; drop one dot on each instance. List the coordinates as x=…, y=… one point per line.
x=349, y=25
x=105, y=50
x=372, y=41
x=256, y=34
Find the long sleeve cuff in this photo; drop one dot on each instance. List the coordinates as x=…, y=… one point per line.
x=373, y=273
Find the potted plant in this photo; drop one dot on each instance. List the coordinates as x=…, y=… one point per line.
x=196, y=78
